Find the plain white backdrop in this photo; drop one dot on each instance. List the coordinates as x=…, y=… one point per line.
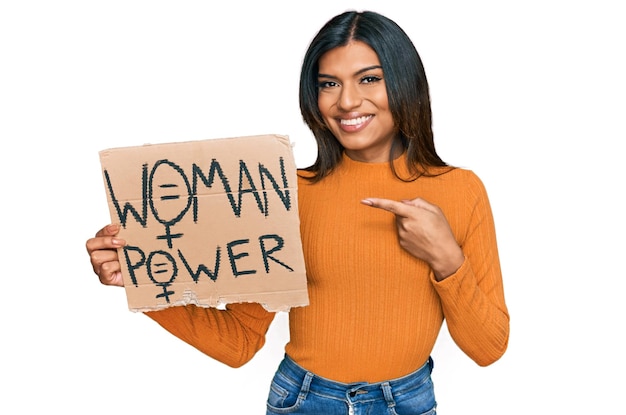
x=529, y=95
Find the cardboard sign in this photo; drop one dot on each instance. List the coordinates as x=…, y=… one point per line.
x=208, y=222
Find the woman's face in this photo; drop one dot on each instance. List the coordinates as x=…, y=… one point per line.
x=353, y=101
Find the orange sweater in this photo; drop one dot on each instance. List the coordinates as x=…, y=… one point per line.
x=375, y=311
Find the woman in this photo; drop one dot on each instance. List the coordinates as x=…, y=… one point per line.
x=394, y=239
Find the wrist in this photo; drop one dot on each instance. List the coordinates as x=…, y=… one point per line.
x=448, y=266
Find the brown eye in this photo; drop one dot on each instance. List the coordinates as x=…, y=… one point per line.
x=370, y=79
x=326, y=84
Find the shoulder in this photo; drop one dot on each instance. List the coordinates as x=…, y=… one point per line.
x=455, y=176
x=304, y=177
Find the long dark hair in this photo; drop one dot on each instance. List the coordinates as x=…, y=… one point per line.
x=405, y=79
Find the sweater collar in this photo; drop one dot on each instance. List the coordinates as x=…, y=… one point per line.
x=382, y=169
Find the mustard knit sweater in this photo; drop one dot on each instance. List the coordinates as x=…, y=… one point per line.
x=375, y=311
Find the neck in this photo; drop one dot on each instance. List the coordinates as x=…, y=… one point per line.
x=390, y=152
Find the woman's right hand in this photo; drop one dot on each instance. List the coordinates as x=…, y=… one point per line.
x=102, y=251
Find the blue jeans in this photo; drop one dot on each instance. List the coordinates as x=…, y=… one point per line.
x=295, y=390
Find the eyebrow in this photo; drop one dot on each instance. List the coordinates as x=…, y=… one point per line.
x=359, y=72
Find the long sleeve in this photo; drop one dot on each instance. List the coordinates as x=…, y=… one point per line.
x=231, y=336
x=473, y=298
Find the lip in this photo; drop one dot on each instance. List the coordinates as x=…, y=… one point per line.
x=354, y=123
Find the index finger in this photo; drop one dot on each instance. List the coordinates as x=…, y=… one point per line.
x=393, y=206
x=109, y=230
x=105, y=239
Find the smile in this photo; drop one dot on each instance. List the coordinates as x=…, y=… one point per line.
x=356, y=121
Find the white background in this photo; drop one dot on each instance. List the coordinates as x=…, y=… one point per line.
x=530, y=95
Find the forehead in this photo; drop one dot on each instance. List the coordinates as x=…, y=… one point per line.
x=349, y=58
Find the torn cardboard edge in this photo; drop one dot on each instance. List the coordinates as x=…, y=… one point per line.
x=208, y=222
x=274, y=302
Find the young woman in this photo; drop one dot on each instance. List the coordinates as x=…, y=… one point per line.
x=395, y=240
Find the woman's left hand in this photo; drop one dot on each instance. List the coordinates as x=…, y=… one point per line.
x=425, y=233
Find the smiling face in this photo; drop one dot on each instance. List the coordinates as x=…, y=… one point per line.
x=353, y=102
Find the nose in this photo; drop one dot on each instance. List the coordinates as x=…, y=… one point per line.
x=349, y=98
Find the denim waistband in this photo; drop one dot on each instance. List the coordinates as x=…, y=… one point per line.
x=356, y=391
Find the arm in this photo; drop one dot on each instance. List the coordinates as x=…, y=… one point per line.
x=231, y=336
x=473, y=297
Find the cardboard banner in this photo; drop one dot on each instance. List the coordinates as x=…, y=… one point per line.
x=208, y=222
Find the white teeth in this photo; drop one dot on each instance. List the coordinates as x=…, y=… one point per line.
x=355, y=121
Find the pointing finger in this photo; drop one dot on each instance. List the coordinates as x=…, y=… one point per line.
x=397, y=208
